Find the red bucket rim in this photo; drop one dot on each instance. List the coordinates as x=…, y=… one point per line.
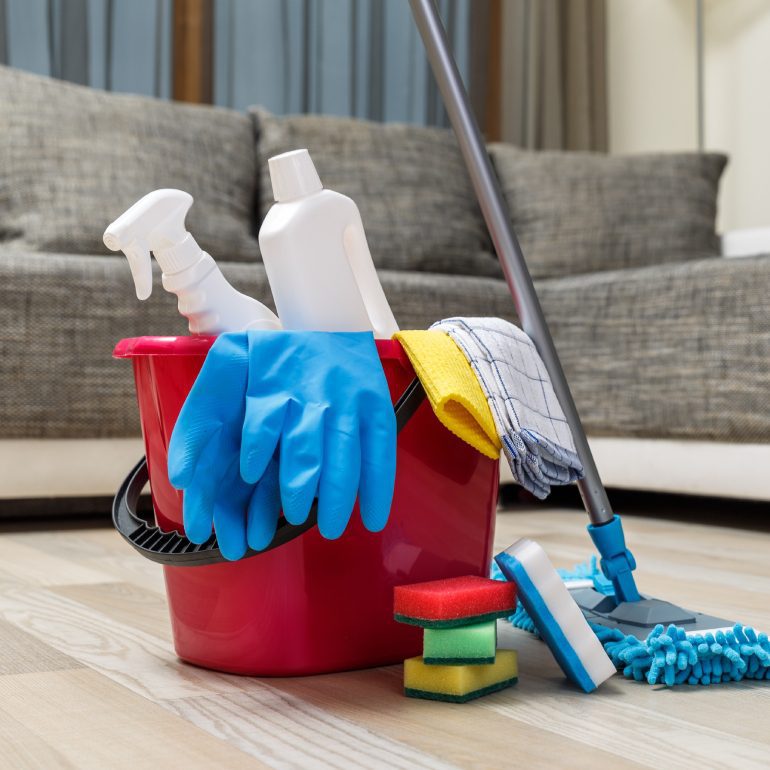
x=163, y=346
x=131, y=347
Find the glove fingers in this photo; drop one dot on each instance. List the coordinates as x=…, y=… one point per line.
x=264, y=509
x=215, y=398
x=338, y=485
x=200, y=496
x=301, y=455
x=262, y=426
x=378, y=466
x=230, y=513
x=188, y=442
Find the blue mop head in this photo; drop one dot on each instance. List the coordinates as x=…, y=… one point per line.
x=670, y=655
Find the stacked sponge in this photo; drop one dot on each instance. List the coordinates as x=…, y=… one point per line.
x=460, y=658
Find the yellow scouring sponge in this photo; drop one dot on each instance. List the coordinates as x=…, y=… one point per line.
x=459, y=683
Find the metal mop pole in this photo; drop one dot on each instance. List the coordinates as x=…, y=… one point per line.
x=605, y=529
x=506, y=245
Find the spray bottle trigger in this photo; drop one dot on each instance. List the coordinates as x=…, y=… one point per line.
x=138, y=255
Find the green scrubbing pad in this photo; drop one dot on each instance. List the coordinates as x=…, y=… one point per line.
x=475, y=644
x=458, y=684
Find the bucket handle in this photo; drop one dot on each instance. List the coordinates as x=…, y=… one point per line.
x=174, y=549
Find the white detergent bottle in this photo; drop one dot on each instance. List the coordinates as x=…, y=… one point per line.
x=210, y=304
x=316, y=255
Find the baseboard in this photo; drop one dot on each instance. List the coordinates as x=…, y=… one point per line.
x=705, y=468
x=40, y=468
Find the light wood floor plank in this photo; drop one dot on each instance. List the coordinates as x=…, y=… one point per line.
x=648, y=728
x=461, y=733
x=23, y=749
x=90, y=722
x=22, y=653
x=125, y=603
x=141, y=662
x=30, y=565
x=290, y=732
x=96, y=549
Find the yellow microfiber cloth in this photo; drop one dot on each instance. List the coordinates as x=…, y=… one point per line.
x=452, y=388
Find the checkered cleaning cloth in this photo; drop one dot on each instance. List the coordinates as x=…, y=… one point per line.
x=530, y=422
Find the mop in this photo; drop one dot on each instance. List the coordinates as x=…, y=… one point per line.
x=668, y=655
x=647, y=638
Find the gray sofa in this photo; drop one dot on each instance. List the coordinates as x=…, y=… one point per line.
x=666, y=345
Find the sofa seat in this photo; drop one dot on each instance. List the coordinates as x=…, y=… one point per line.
x=679, y=351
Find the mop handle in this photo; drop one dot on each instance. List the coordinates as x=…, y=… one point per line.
x=506, y=245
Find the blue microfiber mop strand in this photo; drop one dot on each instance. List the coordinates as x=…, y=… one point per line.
x=670, y=656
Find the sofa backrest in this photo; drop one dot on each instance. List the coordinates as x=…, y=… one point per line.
x=410, y=184
x=582, y=212
x=72, y=159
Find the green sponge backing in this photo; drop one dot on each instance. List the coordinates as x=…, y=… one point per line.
x=450, y=698
x=472, y=644
x=452, y=622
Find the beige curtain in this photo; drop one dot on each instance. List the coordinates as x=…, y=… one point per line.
x=554, y=74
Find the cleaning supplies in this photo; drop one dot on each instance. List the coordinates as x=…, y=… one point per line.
x=627, y=606
x=452, y=388
x=458, y=616
x=534, y=432
x=309, y=605
x=554, y=613
x=671, y=654
x=458, y=684
x=156, y=223
x=316, y=256
x=319, y=401
x=458, y=601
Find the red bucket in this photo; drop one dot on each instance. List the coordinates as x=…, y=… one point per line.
x=313, y=605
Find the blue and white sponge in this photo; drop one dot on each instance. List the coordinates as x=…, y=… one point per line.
x=555, y=614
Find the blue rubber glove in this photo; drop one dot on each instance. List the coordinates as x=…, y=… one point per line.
x=321, y=400
x=204, y=457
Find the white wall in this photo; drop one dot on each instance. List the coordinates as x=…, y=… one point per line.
x=652, y=90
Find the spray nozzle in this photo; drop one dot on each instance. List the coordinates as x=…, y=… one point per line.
x=154, y=223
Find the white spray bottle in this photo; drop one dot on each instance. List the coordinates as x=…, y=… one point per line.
x=316, y=255
x=155, y=224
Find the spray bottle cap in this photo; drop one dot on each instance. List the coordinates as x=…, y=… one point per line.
x=293, y=176
x=154, y=223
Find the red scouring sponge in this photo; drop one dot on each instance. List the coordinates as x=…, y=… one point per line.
x=454, y=602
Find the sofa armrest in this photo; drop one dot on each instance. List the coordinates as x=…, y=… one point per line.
x=747, y=242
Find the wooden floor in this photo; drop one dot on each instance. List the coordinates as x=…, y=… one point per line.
x=88, y=676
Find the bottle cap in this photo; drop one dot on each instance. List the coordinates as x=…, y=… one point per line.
x=293, y=176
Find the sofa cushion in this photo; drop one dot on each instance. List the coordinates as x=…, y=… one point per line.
x=578, y=212
x=677, y=351
x=409, y=182
x=674, y=351
x=73, y=158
